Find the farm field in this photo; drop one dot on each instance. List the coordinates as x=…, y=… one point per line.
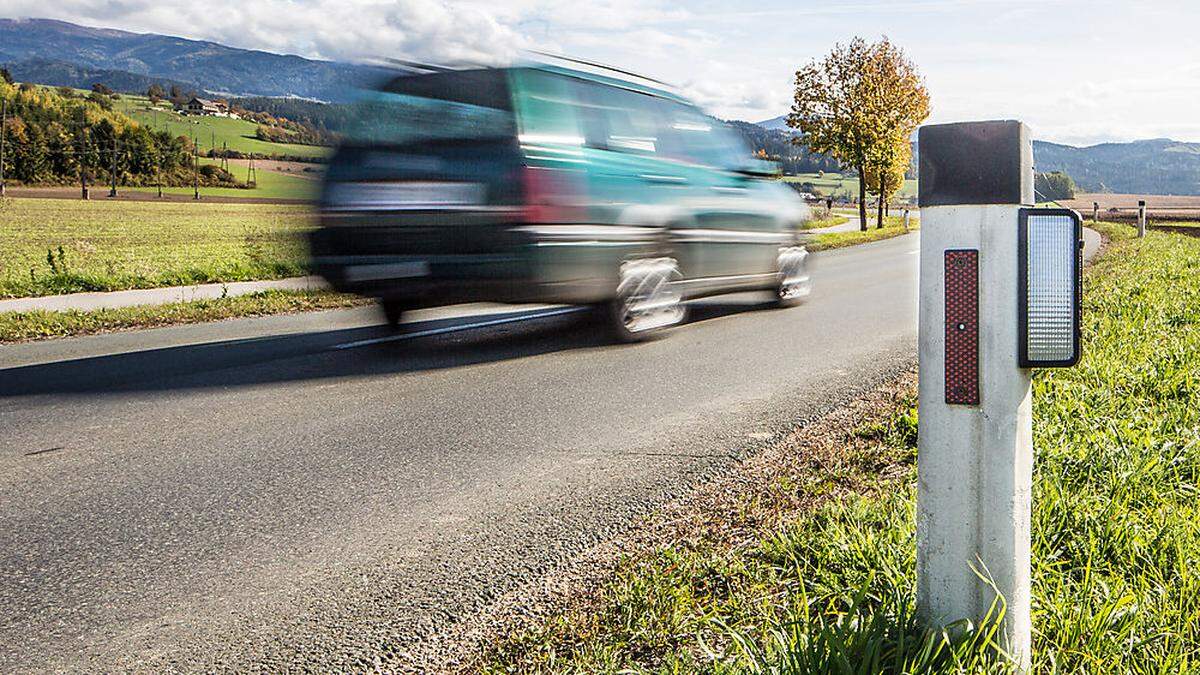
x=210, y=131
x=269, y=184
x=1163, y=206
x=51, y=246
x=843, y=185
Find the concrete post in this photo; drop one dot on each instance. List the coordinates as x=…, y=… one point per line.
x=906, y=219
x=1141, y=218
x=975, y=441
x=1095, y=212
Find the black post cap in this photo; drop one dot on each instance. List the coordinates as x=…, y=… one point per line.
x=975, y=163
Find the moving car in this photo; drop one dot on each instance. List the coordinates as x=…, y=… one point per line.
x=554, y=185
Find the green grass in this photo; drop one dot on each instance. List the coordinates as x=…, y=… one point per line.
x=893, y=226
x=118, y=245
x=829, y=221
x=22, y=326
x=238, y=134
x=268, y=185
x=1116, y=524
x=843, y=185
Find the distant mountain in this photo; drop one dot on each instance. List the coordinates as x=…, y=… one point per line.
x=775, y=124
x=1157, y=166
x=35, y=44
x=63, y=74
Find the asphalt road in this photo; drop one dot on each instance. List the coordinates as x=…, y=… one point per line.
x=291, y=491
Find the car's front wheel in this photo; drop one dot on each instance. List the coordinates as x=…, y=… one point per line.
x=647, y=301
x=794, y=283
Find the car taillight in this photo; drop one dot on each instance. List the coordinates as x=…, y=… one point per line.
x=551, y=195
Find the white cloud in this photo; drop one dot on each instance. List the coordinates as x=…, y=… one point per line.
x=1075, y=69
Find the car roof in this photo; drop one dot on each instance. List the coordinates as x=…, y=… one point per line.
x=606, y=80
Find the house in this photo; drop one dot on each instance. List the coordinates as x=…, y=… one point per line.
x=204, y=106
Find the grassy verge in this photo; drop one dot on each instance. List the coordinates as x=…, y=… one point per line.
x=22, y=326
x=52, y=246
x=893, y=226
x=830, y=586
x=828, y=221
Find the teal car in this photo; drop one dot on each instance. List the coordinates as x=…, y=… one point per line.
x=552, y=185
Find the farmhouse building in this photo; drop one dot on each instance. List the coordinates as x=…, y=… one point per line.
x=204, y=106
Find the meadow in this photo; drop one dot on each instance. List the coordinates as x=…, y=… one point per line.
x=268, y=185
x=815, y=572
x=210, y=131
x=844, y=186
x=51, y=246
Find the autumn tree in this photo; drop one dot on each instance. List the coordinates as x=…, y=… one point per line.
x=854, y=104
x=895, y=103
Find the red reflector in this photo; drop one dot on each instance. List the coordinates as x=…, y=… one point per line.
x=962, y=327
x=551, y=195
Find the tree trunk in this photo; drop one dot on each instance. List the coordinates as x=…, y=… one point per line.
x=862, y=198
x=879, y=208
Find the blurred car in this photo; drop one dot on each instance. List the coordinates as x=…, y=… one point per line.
x=554, y=185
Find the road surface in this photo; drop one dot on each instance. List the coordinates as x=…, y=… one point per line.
x=293, y=490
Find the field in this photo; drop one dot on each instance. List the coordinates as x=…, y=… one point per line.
x=268, y=184
x=1159, y=207
x=845, y=187
x=208, y=131
x=814, y=571
x=50, y=246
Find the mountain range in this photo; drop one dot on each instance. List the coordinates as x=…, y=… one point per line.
x=61, y=53
x=1155, y=166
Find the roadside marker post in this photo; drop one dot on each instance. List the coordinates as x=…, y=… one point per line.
x=1141, y=217
x=999, y=294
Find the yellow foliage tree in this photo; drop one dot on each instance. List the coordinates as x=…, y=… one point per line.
x=855, y=103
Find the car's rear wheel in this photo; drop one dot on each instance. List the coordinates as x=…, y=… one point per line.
x=794, y=283
x=393, y=312
x=647, y=301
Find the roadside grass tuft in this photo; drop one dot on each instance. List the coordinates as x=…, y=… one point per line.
x=21, y=326
x=1116, y=529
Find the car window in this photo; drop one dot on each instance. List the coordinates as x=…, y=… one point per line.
x=690, y=135
x=618, y=119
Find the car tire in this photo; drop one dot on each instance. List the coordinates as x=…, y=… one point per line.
x=794, y=283
x=647, y=302
x=393, y=312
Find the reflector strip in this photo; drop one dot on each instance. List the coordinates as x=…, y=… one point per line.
x=962, y=327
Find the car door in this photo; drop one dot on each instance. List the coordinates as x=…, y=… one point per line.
x=732, y=236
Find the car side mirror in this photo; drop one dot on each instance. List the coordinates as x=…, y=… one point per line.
x=758, y=168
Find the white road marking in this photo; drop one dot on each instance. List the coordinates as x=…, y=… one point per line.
x=458, y=327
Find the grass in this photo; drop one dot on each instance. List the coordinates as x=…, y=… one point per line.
x=210, y=131
x=52, y=246
x=268, y=185
x=828, y=221
x=22, y=326
x=1116, y=525
x=843, y=186
x=893, y=226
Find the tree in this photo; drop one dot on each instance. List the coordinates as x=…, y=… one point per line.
x=6, y=76
x=101, y=88
x=854, y=104
x=895, y=102
x=1053, y=186
x=155, y=93
x=885, y=172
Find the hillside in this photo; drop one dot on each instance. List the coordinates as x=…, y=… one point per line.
x=1158, y=166
x=39, y=47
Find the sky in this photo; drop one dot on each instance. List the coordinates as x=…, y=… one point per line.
x=1078, y=72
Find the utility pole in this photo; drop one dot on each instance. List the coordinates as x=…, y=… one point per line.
x=158, y=171
x=113, y=171
x=83, y=186
x=3, y=133
x=195, y=169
